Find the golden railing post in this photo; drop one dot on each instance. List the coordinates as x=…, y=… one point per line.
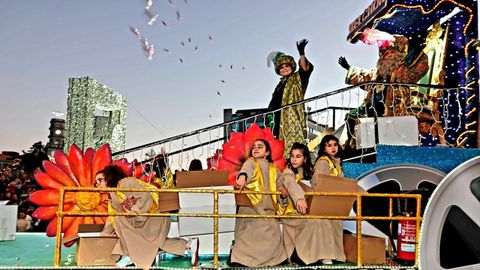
x=215, y=229
x=58, y=240
x=390, y=207
x=359, y=230
x=390, y=214
x=417, y=222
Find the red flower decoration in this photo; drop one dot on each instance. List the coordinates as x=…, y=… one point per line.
x=238, y=148
x=78, y=169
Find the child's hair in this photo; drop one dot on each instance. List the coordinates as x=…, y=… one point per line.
x=323, y=143
x=113, y=174
x=195, y=165
x=307, y=166
x=267, y=148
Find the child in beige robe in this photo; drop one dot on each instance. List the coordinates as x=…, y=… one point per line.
x=328, y=163
x=305, y=236
x=258, y=241
x=139, y=237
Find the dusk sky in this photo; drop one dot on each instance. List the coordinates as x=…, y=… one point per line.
x=43, y=43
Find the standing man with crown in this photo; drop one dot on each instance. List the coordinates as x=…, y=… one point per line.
x=289, y=124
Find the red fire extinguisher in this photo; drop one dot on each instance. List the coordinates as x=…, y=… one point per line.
x=406, y=241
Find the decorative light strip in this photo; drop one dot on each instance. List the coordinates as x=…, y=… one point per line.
x=471, y=83
x=463, y=133
x=470, y=124
x=472, y=111
x=424, y=13
x=470, y=70
x=470, y=98
x=468, y=45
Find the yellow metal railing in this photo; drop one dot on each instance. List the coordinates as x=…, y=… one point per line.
x=358, y=217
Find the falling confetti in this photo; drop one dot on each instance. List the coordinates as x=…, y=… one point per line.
x=222, y=81
x=147, y=48
x=171, y=3
x=218, y=93
x=181, y=60
x=150, y=52
x=136, y=32
x=183, y=44
x=189, y=40
x=145, y=44
x=210, y=37
x=151, y=18
x=220, y=66
x=149, y=4
x=210, y=115
x=186, y=2
x=166, y=50
x=164, y=24
x=195, y=49
x=179, y=17
x=231, y=66
x=243, y=68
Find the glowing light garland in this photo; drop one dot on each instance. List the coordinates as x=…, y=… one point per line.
x=389, y=13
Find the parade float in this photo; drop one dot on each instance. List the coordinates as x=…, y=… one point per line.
x=425, y=87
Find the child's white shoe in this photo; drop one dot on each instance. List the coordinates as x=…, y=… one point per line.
x=327, y=262
x=192, y=248
x=123, y=262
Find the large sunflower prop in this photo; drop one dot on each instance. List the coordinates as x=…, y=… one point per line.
x=78, y=169
x=237, y=150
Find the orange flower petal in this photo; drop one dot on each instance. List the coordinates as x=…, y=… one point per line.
x=72, y=229
x=138, y=170
x=49, y=197
x=268, y=134
x=49, y=212
x=101, y=159
x=277, y=149
x=62, y=161
x=52, y=226
x=87, y=163
x=45, y=212
x=99, y=220
x=79, y=166
x=88, y=220
x=280, y=163
x=232, y=178
x=233, y=152
x=47, y=182
x=126, y=166
x=58, y=174
x=253, y=133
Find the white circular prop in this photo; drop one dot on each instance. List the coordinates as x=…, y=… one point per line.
x=406, y=176
x=450, y=232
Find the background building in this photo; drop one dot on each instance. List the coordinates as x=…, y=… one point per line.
x=95, y=115
x=56, y=138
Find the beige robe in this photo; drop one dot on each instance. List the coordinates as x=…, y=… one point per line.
x=299, y=234
x=330, y=231
x=258, y=241
x=141, y=237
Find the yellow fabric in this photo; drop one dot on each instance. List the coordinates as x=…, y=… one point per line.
x=273, y=188
x=122, y=197
x=256, y=184
x=290, y=208
x=168, y=183
x=111, y=211
x=334, y=170
x=293, y=124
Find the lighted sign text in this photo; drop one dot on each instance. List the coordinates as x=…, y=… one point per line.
x=375, y=7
